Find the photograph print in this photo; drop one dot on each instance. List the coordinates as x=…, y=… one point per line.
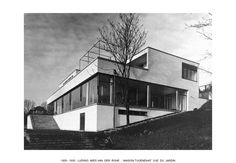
x=118, y=81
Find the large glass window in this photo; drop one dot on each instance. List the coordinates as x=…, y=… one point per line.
x=93, y=96
x=157, y=96
x=66, y=102
x=78, y=96
x=59, y=106
x=170, y=101
x=189, y=72
x=182, y=101
x=137, y=93
x=50, y=108
x=55, y=107
x=165, y=98
x=133, y=95
x=75, y=98
x=119, y=91
x=142, y=94
x=100, y=90
x=104, y=89
x=83, y=94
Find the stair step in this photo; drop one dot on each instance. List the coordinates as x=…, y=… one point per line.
x=43, y=122
x=58, y=139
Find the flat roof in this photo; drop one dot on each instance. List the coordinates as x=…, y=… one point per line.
x=168, y=54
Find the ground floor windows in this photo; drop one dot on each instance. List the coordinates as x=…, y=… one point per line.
x=105, y=89
x=170, y=101
x=93, y=93
x=168, y=98
x=67, y=102
x=76, y=98
x=182, y=101
x=59, y=106
x=100, y=89
x=83, y=94
x=50, y=108
x=80, y=96
x=157, y=96
x=137, y=94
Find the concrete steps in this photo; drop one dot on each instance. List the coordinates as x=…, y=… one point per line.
x=52, y=139
x=41, y=122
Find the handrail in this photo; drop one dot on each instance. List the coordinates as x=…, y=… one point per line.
x=86, y=58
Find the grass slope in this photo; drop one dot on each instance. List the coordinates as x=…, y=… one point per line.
x=190, y=130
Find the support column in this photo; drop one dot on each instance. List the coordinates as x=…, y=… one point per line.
x=148, y=96
x=176, y=99
x=111, y=90
x=187, y=101
x=87, y=94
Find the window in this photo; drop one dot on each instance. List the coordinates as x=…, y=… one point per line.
x=119, y=91
x=55, y=107
x=137, y=93
x=66, y=102
x=93, y=97
x=78, y=95
x=157, y=96
x=84, y=93
x=104, y=91
x=189, y=72
x=75, y=98
x=50, y=108
x=182, y=101
x=59, y=106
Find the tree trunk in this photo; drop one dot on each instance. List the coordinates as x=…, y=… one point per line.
x=127, y=114
x=127, y=100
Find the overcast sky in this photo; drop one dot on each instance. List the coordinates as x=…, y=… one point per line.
x=54, y=43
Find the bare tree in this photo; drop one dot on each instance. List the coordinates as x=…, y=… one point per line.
x=123, y=40
x=28, y=105
x=202, y=27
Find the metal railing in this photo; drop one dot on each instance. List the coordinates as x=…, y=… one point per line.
x=97, y=50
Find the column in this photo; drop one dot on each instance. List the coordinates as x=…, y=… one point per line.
x=111, y=90
x=148, y=96
x=87, y=93
x=176, y=99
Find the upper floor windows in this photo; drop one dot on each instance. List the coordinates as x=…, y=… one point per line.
x=189, y=72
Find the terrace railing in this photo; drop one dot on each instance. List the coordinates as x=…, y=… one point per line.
x=97, y=50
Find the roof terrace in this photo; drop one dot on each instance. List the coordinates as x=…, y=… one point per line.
x=97, y=50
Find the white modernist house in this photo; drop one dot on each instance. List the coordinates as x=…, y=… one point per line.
x=160, y=83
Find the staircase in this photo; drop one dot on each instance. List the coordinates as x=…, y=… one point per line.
x=58, y=139
x=43, y=122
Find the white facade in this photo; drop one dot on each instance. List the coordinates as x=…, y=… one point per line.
x=151, y=66
x=100, y=117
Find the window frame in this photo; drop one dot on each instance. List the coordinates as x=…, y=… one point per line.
x=189, y=71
